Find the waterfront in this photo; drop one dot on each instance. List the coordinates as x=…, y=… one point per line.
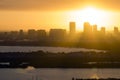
x=31, y=73
x=45, y=49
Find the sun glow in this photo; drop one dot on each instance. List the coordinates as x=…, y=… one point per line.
x=91, y=15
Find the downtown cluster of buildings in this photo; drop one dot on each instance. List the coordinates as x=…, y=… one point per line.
x=56, y=35
x=91, y=29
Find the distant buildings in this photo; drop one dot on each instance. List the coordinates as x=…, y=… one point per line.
x=94, y=29
x=87, y=28
x=72, y=27
x=116, y=31
x=14, y=35
x=21, y=34
x=31, y=34
x=90, y=33
x=103, y=31
x=57, y=35
x=91, y=30
x=41, y=35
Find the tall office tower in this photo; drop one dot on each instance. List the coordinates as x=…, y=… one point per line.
x=72, y=27
x=116, y=31
x=87, y=28
x=103, y=30
x=94, y=29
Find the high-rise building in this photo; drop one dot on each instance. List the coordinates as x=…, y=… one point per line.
x=95, y=29
x=103, y=30
x=32, y=34
x=41, y=35
x=21, y=34
x=72, y=27
x=57, y=34
x=87, y=28
x=116, y=31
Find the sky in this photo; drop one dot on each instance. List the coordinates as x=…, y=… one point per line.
x=47, y=14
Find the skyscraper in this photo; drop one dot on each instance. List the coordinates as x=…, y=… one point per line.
x=103, y=30
x=87, y=28
x=95, y=29
x=72, y=27
x=116, y=31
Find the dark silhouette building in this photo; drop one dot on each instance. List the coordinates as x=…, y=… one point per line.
x=31, y=34
x=21, y=35
x=14, y=35
x=41, y=35
x=57, y=35
x=5, y=36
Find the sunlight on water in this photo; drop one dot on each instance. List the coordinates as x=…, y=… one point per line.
x=94, y=76
x=29, y=68
x=57, y=74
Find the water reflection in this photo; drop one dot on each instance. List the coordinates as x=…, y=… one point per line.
x=94, y=76
x=57, y=74
x=95, y=73
x=45, y=49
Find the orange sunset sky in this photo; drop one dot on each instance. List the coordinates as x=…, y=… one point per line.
x=47, y=14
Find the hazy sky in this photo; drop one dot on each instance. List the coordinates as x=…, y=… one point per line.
x=45, y=14
x=56, y=4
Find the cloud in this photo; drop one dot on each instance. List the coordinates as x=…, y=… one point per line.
x=56, y=4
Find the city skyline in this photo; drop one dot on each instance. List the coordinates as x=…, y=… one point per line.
x=72, y=28
x=60, y=36
x=37, y=14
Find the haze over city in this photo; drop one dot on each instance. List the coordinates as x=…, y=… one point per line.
x=47, y=14
x=59, y=39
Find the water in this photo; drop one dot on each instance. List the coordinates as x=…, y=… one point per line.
x=45, y=49
x=31, y=73
x=56, y=74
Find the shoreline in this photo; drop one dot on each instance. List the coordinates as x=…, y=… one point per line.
x=40, y=59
